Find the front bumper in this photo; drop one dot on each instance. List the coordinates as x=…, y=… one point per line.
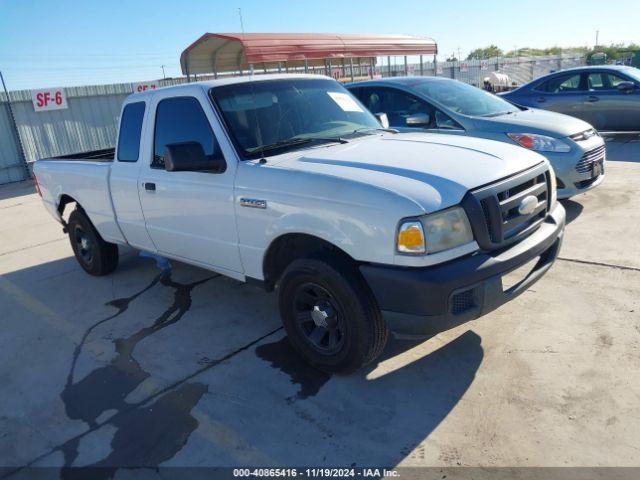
x=425, y=301
x=570, y=181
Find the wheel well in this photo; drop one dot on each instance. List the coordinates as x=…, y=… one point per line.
x=289, y=247
x=64, y=201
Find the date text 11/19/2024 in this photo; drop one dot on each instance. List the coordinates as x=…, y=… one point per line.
x=315, y=472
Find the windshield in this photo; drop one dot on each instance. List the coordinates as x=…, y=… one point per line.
x=465, y=99
x=277, y=114
x=633, y=73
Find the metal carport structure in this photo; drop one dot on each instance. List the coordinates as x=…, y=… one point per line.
x=238, y=52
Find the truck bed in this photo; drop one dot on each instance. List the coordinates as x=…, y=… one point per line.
x=104, y=155
x=84, y=177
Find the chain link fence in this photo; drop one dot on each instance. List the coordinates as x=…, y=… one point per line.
x=519, y=70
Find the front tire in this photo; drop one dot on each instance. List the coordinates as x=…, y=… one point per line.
x=94, y=255
x=330, y=315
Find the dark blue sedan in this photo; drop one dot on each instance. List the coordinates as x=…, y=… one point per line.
x=606, y=96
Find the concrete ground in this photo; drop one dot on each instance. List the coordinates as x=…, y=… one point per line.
x=193, y=370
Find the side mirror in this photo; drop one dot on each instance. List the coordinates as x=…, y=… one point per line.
x=626, y=87
x=190, y=156
x=418, y=120
x=382, y=119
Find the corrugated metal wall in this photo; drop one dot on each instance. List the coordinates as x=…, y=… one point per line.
x=88, y=124
x=12, y=168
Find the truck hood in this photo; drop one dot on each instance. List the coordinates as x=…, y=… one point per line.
x=534, y=120
x=434, y=171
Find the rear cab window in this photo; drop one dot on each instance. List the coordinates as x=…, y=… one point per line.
x=130, y=131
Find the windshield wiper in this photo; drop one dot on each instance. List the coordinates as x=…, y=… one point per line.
x=295, y=142
x=379, y=129
x=497, y=114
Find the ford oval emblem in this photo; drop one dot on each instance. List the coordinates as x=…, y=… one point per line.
x=528, y=205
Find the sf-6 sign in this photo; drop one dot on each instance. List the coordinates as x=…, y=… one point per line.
x=143, y=87
x=50, y=99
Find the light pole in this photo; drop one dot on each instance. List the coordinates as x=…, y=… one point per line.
x=164, y=77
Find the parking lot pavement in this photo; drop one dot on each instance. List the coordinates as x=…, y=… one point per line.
x=185, y=368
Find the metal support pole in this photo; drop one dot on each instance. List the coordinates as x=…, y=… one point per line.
x=286, y=67
x=351, y=67
x=406, y=67
x=421, y=67
x=389, y=64
x=372, y=66
x=14, y=126
x=251, y=69
x=279, y=67
x=330, y=72
x=306, y=65
x=435, y=66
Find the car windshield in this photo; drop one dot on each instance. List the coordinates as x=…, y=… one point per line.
x=633, y=73
x=465, y=99
x=275, y=115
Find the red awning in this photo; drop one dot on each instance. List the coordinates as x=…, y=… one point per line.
x=236, y=51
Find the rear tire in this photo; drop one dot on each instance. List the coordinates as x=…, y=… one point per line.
x=330, y=315
x=94, y=255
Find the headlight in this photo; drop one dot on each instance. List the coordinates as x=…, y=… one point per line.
x=539, y=143
x=434, y=233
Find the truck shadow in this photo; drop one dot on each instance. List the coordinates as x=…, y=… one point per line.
x=250, y=400
x=17, y=189
x=573, y=208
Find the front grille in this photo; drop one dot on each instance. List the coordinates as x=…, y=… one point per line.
x=586, y=162
x=462, y=301
x=494, y=211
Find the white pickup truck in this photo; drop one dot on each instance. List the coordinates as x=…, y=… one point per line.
x=287, y=181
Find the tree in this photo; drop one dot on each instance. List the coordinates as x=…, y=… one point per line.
x=452, y=58
x=486, y=52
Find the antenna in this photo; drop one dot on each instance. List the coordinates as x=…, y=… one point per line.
x=253, y=95
x=241, y=22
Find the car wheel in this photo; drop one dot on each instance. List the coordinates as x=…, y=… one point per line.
x=94, y=255
x=330, y=315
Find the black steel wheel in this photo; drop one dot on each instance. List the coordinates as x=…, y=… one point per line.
x=330, y=315
x=319, y=317
x=84, y=245
x=94, y=255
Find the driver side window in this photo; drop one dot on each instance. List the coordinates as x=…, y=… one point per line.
x=181, y=119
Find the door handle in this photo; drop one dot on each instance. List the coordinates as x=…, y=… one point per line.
x=149, y=186
x=592, y=99
x=541, y=99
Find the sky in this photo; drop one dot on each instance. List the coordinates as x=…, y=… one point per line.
x=60, y=43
